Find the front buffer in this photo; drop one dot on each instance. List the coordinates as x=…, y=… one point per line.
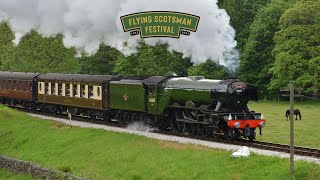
x=245, y=128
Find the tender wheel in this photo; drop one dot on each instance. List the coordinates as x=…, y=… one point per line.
x=105, y=117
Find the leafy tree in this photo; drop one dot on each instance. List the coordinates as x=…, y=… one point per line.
x=151, y=61
x=257, y=59
x=242, y=13
x=208, y=69
x=6, y=45
x=42, y=54
x=297, y=48
x=102, y=62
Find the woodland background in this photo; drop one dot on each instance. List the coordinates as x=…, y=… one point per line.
x=278, y=41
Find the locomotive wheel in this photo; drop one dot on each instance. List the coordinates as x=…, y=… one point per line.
x=204, y=130
x=191, y=128
x=177, y=126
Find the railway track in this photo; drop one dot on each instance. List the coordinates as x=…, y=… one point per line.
x=298, y=150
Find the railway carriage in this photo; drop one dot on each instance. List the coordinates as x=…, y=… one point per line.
x=75, y=93
x=18, y=88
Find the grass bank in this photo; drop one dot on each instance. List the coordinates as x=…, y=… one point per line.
x=99, y=154
x=4, y=174
x=278, y=128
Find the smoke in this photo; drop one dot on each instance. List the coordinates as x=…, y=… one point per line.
x=85, y=24
x=140, y=126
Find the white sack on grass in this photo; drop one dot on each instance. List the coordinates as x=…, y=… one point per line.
x=243, y=152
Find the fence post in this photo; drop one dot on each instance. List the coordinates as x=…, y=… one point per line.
x=291, y=129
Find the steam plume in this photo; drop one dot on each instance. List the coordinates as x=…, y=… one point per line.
x=85, y=24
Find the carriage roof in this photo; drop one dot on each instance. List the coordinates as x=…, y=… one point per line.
x=17, y=75
x=78, y=77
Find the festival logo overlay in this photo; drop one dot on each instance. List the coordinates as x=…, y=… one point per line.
x=160, y=24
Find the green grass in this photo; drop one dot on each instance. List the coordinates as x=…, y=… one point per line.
x=99, y=154
x=4, y=174
x=277, y=128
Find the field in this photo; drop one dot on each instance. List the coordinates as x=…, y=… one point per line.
x=277, y=127
x=100, y=154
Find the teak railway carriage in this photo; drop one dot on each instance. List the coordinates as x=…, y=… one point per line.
x=181, y=104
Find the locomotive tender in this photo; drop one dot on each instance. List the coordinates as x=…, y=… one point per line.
x=181, y=104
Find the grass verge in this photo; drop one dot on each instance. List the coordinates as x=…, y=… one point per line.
x=278, y=128
x=99, y=154
x=4, y=174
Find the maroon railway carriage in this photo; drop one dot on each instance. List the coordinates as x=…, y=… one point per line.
x=18, y=88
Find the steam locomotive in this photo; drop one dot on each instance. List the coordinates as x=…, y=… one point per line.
x=192, y=105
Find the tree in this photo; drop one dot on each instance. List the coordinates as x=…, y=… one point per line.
x=151, y=61
x=297, y=48
x=257, y=59
x=6, y=45
x=102, y=62
x=208, y=69
x=242, y=13
x=42, y=54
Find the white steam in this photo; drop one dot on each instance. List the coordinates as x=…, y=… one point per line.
x=140, y=126
x=85, y=24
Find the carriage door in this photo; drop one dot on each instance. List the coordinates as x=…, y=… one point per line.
x=152, y=99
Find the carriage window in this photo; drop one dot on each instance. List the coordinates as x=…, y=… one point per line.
x=19, y=87
x=75, y=90
x=5, y=84
x=40, y=86
x=14, y=85
x=82, y=91
x=59, y=89
x=25, y=85
x=9, y=84
x=67, y=86
x=24, y=88
x=30, y=85
x=46, y=88
x=90, y=92
x=98, y=91
x=0, y=84
x=53, y=88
